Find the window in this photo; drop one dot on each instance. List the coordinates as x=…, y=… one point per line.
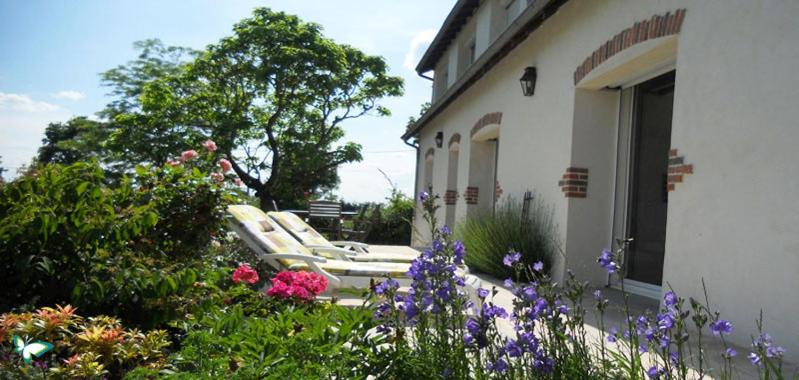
x=511, y=9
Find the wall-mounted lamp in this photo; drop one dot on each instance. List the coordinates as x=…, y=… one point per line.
x=439, y=139
x=528, y=81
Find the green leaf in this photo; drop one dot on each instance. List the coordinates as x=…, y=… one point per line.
x=82, y=188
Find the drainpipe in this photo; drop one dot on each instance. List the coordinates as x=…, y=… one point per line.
x=415, y=184
x=416, y=171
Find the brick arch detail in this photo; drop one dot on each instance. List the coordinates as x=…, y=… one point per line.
x=657, y=26
x=430, y=152
x=456, y=138
x=487, y=119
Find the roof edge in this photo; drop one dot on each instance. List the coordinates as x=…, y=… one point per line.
x=532, y=18
x=455, y=19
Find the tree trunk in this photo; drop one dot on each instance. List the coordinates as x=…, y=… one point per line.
x=266, y=200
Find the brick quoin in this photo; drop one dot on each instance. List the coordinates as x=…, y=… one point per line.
x=657, y=26
x=471, y=195
x=574, y=183
x=450, y=197
x=677, y=170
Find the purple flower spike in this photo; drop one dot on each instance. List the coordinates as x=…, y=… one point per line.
x=669, y=299
x=538, y=266
x=605, y=260
x=653, y=372
x=423, y=196
x=511, y=258
x=721, y=327
x=482, y=293
x=612, y=335
x=774, y=351
x=755, y=359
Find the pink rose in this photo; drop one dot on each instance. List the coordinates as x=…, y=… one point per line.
x=218, y=177
x=210, y=145
x=244, y=273
x=188, y=155
x=226, y=165
x=238, y=182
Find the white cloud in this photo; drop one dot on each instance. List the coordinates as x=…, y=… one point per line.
x=23, y=103
x=22, y=124
x=69, y=95
x=419, y=41
x=363, y=182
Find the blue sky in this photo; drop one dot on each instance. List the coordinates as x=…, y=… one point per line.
x=52, y=51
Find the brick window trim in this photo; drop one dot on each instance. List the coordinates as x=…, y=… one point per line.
x=450, y=197
x=678, y=169
x=574, y=182
x=430, y=152
x=455, y=139
x=471, y=195
x=487, y=119
x=497, y=191
x=657, y=26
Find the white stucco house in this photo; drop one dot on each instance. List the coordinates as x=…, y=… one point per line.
x=672, y=122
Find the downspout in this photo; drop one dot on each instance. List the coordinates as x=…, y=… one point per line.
x=416, y=171
x=415, y=185
x=416, y=146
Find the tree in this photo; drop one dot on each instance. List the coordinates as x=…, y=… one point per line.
x=137, y=136
x=127, y=82
x=275, y=97
x=78, y=139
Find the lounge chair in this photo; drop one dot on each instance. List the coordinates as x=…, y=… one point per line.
x=312, y=239
x=280, y=250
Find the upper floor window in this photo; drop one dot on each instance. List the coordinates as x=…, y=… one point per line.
x=511, y=10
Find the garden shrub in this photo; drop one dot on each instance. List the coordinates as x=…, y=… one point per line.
x=283, y=335
x=130, y=248
x=489, y=236
x=386, y=223
x=89, y=348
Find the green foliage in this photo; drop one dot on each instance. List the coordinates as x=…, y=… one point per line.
x=127, y=82
x=275, y=96
x=78, y=139
x=413, y=119
x=490, y=236
x=124, y=249
x=388, y=223
x=293, y=342
x=91, y=348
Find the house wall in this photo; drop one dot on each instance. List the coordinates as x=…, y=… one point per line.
x=733, y=221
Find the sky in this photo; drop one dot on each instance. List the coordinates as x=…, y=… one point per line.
x=51, y=53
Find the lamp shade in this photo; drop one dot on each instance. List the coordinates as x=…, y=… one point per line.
x=528, y=81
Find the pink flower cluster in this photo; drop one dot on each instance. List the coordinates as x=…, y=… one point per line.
x=245, y=273
x=224, y=164
x=304, y=286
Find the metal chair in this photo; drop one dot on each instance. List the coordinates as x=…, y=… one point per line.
x=330, y=212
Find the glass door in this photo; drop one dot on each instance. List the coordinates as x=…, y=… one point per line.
x=642, y=173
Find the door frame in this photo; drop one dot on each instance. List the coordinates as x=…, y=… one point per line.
x=622, y=170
